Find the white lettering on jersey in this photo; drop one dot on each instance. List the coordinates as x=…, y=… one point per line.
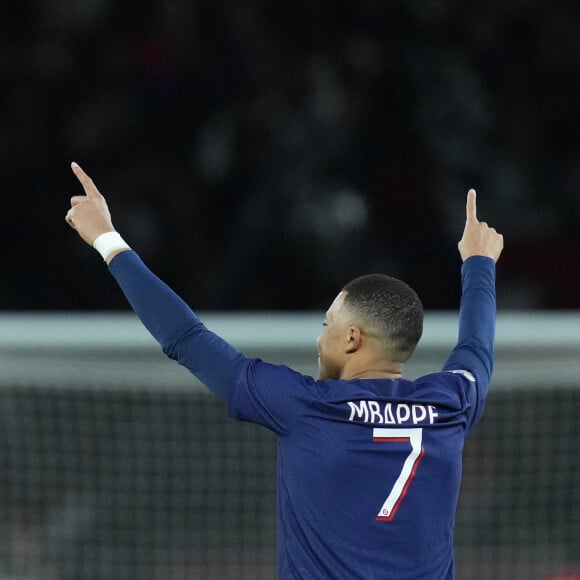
x=361, y=411
x=403, y=413
x=419, y=413
x=432, y=413
x=375, y=410
x=392, y=413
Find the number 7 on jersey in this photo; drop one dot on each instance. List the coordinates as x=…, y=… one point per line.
x=415, y=437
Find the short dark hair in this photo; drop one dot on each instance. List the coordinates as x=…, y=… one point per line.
x=391, y=307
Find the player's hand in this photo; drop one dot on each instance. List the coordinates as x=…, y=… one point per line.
x=89, y=214
x=478, y=238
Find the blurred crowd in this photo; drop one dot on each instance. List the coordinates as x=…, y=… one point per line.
x=259, y=155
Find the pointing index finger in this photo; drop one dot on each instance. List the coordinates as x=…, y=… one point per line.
x=87, y=183
x=471, y=209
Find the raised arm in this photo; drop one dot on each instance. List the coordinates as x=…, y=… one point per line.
x=167, y=317
x=480, y=248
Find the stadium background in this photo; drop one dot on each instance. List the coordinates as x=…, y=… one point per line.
x=259, y=155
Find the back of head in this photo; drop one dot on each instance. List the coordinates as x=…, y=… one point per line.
x=390, y=309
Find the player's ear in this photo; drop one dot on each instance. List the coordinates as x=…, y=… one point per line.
x=353, y=338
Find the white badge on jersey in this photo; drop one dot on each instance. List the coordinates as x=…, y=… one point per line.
x=463, y=373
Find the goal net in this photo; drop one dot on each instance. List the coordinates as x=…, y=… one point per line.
x=116, y=463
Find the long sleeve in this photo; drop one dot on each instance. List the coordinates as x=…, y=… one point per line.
x=181, y=334
x=474, y=351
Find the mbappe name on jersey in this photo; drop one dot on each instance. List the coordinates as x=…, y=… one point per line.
x=392, y=413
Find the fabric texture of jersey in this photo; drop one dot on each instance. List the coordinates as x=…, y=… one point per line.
x=368, y=470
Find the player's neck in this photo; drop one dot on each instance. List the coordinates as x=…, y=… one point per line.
x=379, y=370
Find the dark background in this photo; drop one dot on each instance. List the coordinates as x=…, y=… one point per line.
x=260, y=154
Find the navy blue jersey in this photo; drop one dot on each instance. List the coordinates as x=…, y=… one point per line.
x=369, y=470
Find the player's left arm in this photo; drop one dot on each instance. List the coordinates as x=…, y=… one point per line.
x=480, y=248
x=474, y=350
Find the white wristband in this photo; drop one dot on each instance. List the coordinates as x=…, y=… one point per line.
x=108, y=243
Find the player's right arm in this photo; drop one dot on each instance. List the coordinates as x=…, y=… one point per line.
x=181, y=334
x=480, y=248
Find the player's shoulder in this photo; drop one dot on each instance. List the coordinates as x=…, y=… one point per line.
x=451, y=376
x=445, y=386
x=279, y=376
